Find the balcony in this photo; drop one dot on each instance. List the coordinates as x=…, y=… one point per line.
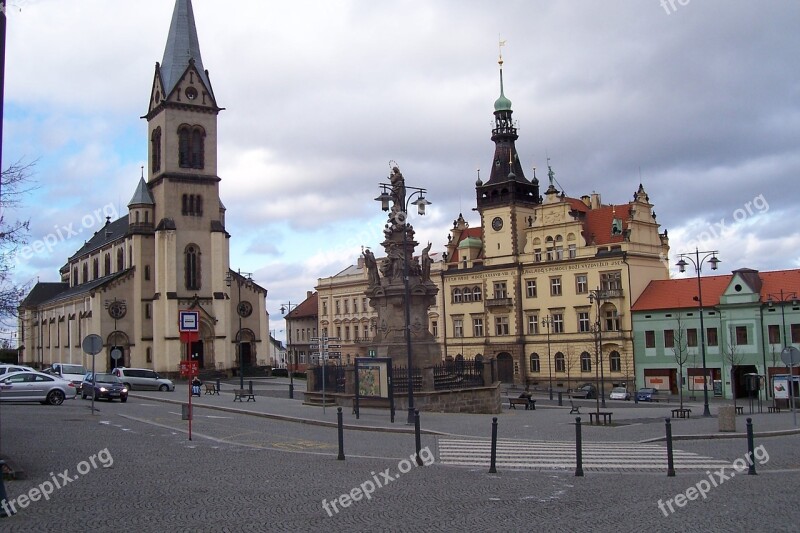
x=493, y=303
x=610, y=294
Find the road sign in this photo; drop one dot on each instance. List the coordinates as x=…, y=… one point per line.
x=790, y=356
x=116, y=354
x=92, y=344
x=372, y=352
x=189, y=321
x=190, y=368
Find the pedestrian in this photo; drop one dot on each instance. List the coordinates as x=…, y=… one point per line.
x=196, y=386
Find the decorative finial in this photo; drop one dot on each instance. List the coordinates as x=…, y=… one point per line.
x=500, y=46
x=142, y=171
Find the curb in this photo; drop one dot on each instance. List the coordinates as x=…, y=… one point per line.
x=714, y=436
x=287, y=418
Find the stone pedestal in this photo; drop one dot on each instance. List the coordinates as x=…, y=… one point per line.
x=727, y=418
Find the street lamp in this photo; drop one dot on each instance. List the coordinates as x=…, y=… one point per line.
x=548, y=322
x=401, y=217
x=599, y=296
x=783, y=298
x=697, y=262
x=287, y=308
x=242, y=278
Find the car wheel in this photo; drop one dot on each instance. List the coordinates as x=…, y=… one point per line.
x=55, y=397
x=83, y=395
x=123, y=400
x=163, y=388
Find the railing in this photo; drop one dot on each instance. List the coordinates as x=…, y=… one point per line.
x=606, y=294
x=458, y=374
x=498, y=302
x=400, y=379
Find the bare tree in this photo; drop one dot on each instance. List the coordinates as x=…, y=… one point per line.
x=732, y=356
x=15, y=183
x=569, y=364
x=680, y=351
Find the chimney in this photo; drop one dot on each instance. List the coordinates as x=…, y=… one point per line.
x=595, y=201
x=308, y=294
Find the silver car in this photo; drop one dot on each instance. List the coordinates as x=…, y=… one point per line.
x=7, y=369
x=142, y=379
x=35, y=386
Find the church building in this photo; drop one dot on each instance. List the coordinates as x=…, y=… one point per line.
x=170, y=253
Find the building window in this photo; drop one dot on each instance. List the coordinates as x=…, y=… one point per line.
x=573, y=252
x=155, y=150
x=476, y=294
x=324, y=307
x=192, y=268
x=533, y=324
x=561, y=365
x=612, y=320
x=147, y=311
x=500, y=289
x=75, y=280
x=147, y=272
x=347, y=333
x=530, y=288
x=581, y=284
x=458, y=327
x=148, y=355
x=191, y=149
x=611, y=281
x=555, y=286
x=501, y=325
x=774, y=333
x=537, y=255
x=558, y=323
x=711, y=336
x=355, y=332
x=85, y=272
x=467, y=294
x=535, y=366
x=435, y=328
x=691, y=337
x=347, y=307
x=107, y=265
x=477, y=327
x=95, y=268
x=192, y=205
x=364, y=305
x=615, y=361
x=457, y=298
x=669, y=338
x=120, y=260
x=795, y=333
x=583, y=322
x=338, y=308
x=586, y=362
x=339, y=332
x=650, y=339
x=741, y=335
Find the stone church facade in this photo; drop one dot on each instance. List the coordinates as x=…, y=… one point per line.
x=131, y=279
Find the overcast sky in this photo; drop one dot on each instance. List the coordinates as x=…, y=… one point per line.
x=700, y=103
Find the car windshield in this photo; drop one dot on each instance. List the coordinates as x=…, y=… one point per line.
x=106, y=378
x=73, y=369
x=618, y=389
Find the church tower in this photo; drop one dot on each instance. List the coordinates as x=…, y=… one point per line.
x=191, y=243
x=506, y=201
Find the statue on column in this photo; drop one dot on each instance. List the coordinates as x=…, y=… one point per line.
x=372, y=268
x=426, y=263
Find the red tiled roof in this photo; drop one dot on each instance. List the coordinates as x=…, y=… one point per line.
x=680, y=293
x=597, y=224
x=305, y=309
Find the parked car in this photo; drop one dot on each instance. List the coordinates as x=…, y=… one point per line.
x=5, y=369
x=35, y=386
x=620, y=393
x=142, y=379
x=587, y=390
x=647, y=394
x=70, y=372
x=106, y=386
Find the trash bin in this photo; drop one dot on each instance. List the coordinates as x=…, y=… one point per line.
x=727, y=418
x=186, y=412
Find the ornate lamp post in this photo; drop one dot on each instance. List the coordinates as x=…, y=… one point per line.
x=599, y=296
x=548, y=322
x=242, y=278
x=287, y=308
x=697, y=262
x=390, y=193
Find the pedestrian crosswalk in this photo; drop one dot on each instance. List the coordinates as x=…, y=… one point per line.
x=548, y=455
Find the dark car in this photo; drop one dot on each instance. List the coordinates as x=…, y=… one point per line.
x=106, y=386
x=587, y=390
x=647, y=394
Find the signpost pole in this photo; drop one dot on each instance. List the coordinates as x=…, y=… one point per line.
x=92, y=344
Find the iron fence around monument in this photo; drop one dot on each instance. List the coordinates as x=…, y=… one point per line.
x=400, y=379
x=334, y=379
x=458, y=374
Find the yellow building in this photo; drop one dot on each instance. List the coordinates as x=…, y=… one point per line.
x=518, y=288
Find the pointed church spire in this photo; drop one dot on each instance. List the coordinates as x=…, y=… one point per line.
x=183, y=46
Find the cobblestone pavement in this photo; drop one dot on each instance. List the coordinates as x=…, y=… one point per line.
x=160, y=481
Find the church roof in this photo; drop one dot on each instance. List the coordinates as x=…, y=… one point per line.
x=50, y=292
x=42, y=292
x=182, y=46
x=108, y=233
x=142, y=195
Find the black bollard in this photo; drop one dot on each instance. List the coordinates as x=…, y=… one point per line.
x=250, y=386
x=3, y=496
x=578, y=446
x=750, y=449
x=218, y=389
x=341, y=433
x=492, y=466
x=417, y=439
x=551, y=394
x=560, y=398
x=670, y=461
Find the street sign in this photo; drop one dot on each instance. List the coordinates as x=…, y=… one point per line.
x=116, y=354
x=190, y=368
x=372, y=352
x=189, y=321
x=92, y=344
x=790, y=356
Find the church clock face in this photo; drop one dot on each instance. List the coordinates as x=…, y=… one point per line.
x=244, y=309
x=497, y=223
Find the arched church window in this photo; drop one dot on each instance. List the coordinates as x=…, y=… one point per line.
x=95, y=269
x=85, y=273
x=155, y=149
x=107, y=265
x=192, y=267
x=184, y=153
x=198, y=149
x=120, y=259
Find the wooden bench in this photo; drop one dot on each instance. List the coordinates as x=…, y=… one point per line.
x=740, y=409
x=211, y=389
x=574, y=408
x=773, y=409
x=594, y=417
x=238, y=394
x=681, y=413
x=525, y=400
